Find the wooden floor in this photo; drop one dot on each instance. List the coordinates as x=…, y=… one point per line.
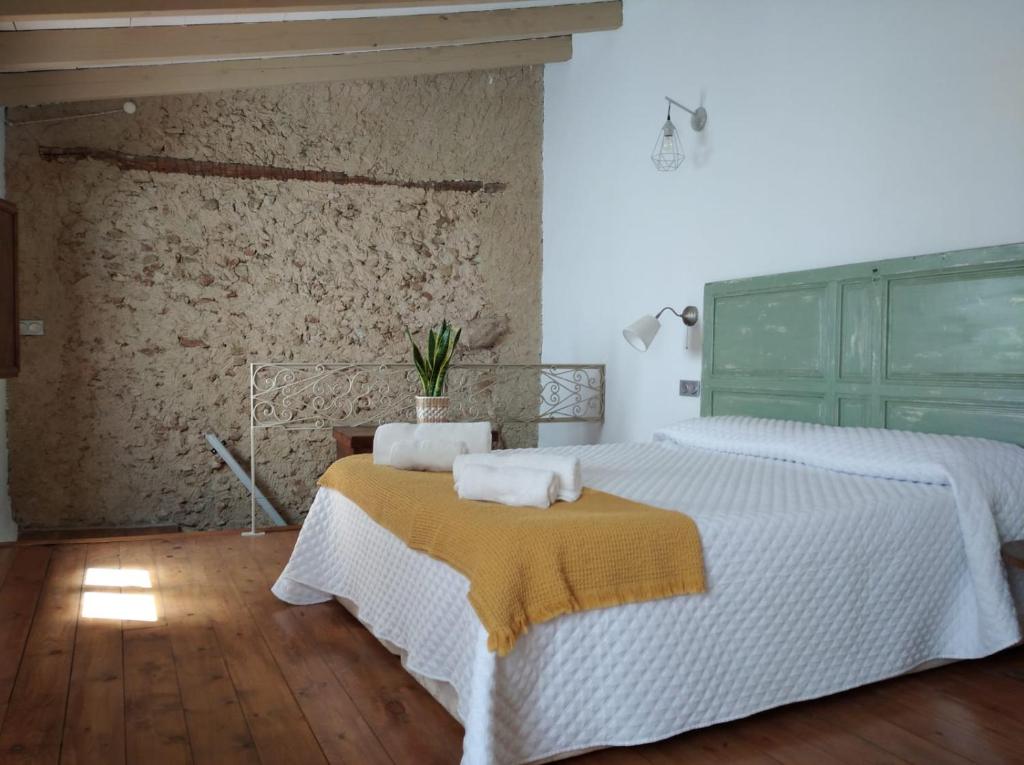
x=227, y=674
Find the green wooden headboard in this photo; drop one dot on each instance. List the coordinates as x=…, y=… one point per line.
x=932, y=343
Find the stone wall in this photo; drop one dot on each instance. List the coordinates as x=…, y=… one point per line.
x=158, y=288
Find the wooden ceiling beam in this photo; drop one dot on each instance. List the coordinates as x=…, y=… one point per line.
x=78, y=48
x=56, y=10
x=30, y=88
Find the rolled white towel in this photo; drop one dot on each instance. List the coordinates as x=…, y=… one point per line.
x=519, y=487
x=475, y=435
x=566, y=467
x=433, y=456
x=386, y=436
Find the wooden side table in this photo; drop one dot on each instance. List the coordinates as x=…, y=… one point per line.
x=359, y=440
x=351, y=441
x=1013, y=553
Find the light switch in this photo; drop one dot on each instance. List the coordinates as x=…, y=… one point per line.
x=31, y=327
x=689, y=388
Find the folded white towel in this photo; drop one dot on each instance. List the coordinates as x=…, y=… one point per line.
x=566, y=467
x=519, y=487
x=475, y=435
x=434, y=456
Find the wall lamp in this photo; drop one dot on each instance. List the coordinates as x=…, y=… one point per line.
x=668, y=151
x=640, y=334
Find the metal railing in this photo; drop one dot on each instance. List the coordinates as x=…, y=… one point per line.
x=297, y=396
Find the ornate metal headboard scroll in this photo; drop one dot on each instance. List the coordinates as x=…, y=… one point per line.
x=296, y=396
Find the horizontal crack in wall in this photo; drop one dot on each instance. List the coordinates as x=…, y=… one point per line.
x=243, y=171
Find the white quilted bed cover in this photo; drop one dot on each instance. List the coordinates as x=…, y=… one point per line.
x=834, y=558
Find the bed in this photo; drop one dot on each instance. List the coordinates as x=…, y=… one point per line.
x=834, y=556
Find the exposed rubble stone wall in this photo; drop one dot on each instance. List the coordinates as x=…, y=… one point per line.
x=158, y=288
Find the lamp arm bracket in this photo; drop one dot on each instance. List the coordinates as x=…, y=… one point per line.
x=688, y=316
x=698, y=118
x=676, y=103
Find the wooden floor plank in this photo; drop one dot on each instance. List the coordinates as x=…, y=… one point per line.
x=847, y=711
x=1010, y=663
x=998, y=697
x=835, y=741
x=937, y=720
x=229, y=674
x=343, y=734
x=173, y=536
x=6, y=561
x=217, y=729
x=986, y=705
x=708, y=746
x=412, y=726
x=155, y=728
x=94, y=727
x=32, y=729
x=19, y=595
x=63, y=535
x=135, y=557
x=767, y=732
x=616, y=755
x=278, y=727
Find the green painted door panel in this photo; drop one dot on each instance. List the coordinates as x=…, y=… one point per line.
x=785, y=406
x=932, y=343
x=778, y=332
x=968, y=326
x=854, y=412
x=857, y=330
x=962, y=418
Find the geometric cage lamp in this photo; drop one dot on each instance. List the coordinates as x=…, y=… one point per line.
x=668, y=149
x=640, y=334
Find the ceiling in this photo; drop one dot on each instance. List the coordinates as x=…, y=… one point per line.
x=54, y=51
x=90, y=14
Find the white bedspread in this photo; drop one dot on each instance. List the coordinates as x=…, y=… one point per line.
x=819, y=580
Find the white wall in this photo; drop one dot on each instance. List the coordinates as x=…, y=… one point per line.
x=8, y=531
x=837, y=132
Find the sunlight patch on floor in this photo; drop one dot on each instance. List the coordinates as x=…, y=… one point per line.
x=114, y=605
x=119, y=606
x=118, y=577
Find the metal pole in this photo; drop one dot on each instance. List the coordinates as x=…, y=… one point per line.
x=222, y=451
x=252, y=532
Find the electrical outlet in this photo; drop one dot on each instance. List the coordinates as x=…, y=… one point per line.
x=31, y=326
x=689, y=388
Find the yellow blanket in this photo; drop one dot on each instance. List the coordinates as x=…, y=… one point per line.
x=527, y=565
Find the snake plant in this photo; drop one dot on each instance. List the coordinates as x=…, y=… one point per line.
x=432, y=366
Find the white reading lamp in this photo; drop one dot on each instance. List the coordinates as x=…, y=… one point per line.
x=640, y=334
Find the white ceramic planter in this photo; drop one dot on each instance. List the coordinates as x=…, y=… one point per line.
x=432, y=408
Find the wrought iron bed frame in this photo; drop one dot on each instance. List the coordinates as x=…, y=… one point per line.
x=300, y=396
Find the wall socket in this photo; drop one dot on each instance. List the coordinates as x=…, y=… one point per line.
x=689, y=388
x=31, y=326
